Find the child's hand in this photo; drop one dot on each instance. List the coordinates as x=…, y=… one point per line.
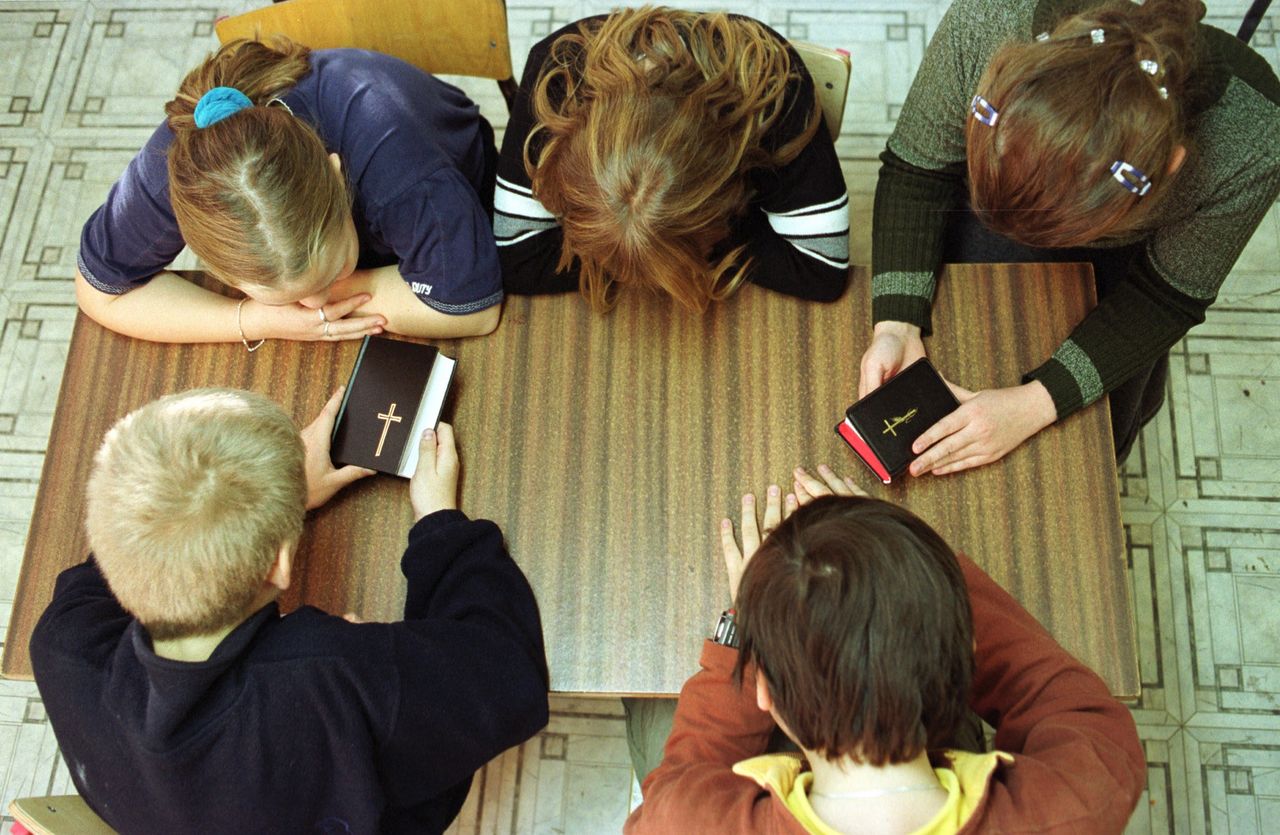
x=809, y=488
x=322, y=479
x=434, y=485
x=894, y=346
x=735, y=561
x=988, y=426
x=341, y=320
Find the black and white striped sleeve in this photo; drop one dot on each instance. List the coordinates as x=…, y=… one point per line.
x=528, y=237
x=799, y=239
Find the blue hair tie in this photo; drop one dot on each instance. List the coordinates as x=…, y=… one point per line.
x=218, y=104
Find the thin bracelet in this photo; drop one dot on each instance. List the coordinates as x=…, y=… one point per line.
x=240, y=327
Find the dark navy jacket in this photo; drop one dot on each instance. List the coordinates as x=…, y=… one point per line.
x=304, y=723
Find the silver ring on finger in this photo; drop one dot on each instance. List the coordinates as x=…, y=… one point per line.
x=323, y=318
x=325, y=334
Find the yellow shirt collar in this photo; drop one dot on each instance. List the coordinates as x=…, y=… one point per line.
x=965, y=782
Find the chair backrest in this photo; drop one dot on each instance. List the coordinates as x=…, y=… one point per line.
x=830, y=70
x=61, y=815
x=452, y=37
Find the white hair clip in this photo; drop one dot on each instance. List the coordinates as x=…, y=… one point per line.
x=1042, y=37
x=1098, y=35
x=984, y=112
x=1148, y=66
x=1131, y=178
x=1163, y=91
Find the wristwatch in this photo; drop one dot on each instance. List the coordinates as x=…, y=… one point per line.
x=726, y=633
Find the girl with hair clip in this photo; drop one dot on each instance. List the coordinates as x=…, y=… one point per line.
x=1131, y=137
x=343, y=192
x=670, y=150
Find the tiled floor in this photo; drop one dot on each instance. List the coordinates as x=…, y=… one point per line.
x=81, y=86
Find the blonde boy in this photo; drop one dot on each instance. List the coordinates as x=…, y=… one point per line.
x=183, y=701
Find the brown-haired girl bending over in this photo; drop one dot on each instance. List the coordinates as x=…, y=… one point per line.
x=342, y=191
x=670, y=150
x=1132, y=137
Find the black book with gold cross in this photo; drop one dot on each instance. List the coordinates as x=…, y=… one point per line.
x=882, y=426
x=395, y=393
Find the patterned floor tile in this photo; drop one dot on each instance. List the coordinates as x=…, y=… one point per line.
x=574, y=777
x=1164, y=802
x=1225, y=382
x=1146, y=546
x=1228, y=619
x=1141, y=478
x=1232, y=780
x=132, y=61
x=33, y=48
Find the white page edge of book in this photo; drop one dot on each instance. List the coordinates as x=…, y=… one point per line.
x=429, y=409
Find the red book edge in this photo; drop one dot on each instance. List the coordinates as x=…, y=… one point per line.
x=854, y=440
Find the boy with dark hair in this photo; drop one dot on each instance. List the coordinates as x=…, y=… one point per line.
x=184, y=702
x=866, y=640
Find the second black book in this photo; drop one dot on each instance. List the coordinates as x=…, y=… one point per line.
x=396, y=391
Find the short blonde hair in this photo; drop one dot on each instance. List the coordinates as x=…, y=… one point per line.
x=190, y=499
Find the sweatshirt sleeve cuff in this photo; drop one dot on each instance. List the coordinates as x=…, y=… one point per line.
x=433, y=522
x=1062, y=387
x=718, y=658
x=914, y=310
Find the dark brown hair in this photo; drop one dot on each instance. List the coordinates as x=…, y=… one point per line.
x=647, y=124
x=857, y=615
x=254, y=194
x=1070, y=108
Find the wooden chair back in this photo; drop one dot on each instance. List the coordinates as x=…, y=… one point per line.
x=62, y=815
x=451, y=37
x=830, y=69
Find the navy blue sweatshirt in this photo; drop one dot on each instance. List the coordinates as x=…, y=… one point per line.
x=303, y=723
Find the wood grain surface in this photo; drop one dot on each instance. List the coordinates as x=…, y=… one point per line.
x=608, y=447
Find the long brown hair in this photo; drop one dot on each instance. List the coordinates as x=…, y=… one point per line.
x=646, y=125
x=255, y=194
x=856, y=613
x=1069, y=109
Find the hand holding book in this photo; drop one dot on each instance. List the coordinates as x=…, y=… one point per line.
x=323, y=479
x=894, y=346
x=988, y=426
x=434, y=485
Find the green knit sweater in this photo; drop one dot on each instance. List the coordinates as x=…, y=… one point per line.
x=1229, y=180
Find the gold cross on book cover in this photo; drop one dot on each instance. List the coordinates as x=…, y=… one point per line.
x=396, y=392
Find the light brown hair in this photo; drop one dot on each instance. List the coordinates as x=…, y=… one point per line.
x=646, y=125
x=1069, y=109
x=857, y=615
x=255, y=195
x=189, y=501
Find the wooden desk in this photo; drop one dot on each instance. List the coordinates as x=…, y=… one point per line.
x=608, y=447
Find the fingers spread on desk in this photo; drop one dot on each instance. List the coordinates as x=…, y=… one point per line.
x=750, y=530
x=728, y=544
x=808, y=487
x=836, y=484
x=772, y=509
x=733, y=562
